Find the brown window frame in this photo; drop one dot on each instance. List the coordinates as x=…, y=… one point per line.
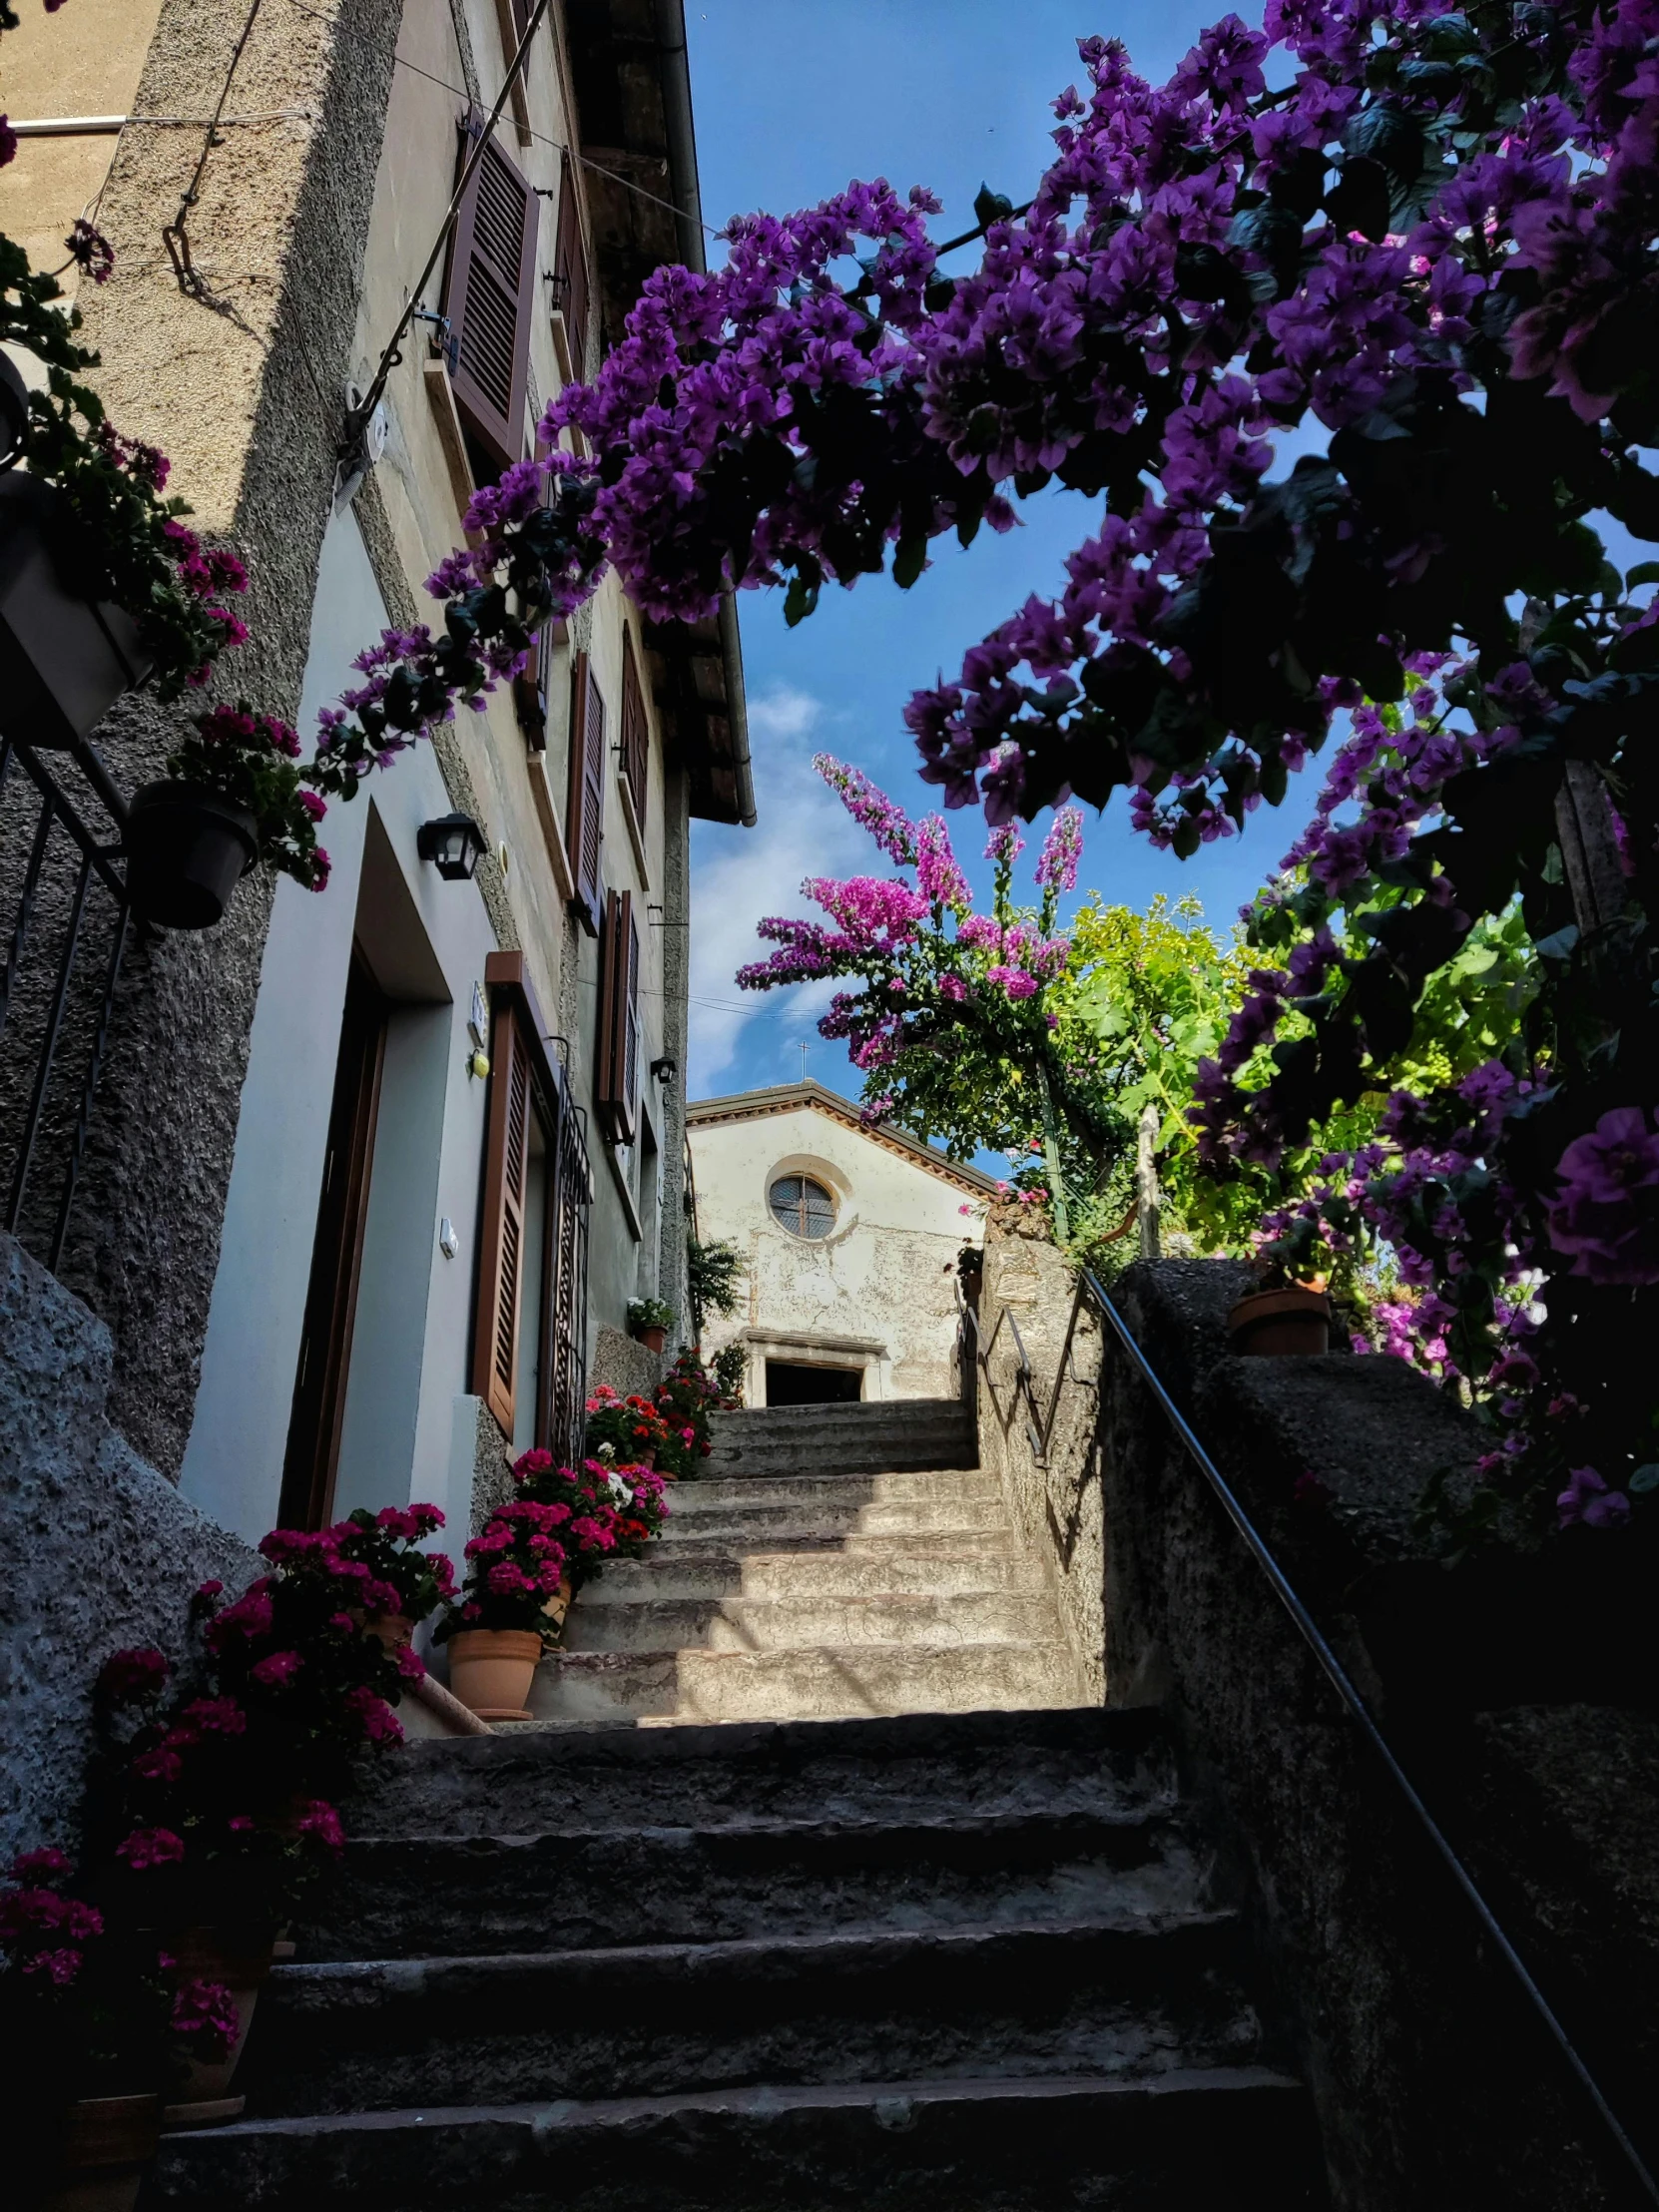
x=572, y=291
x=480, y=278
x=617, y=1073
x=636, y=734
x=585, y=792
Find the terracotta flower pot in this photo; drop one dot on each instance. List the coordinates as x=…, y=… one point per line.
x=491, y=1669
x=1281, y=1324
x=64, y=659
x=109, y=2145
x=653, y=1340
x=395, y=1630
x=239, y=1958
x=187, y=851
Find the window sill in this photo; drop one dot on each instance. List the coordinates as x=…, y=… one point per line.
x=636, y=837
x=552, y=829
x=441, y=393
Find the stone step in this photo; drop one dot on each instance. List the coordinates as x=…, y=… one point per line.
x=802, y=1623
x=853, y=1440
x=699, y=1543
x=1109, y=1996
x=1228, y=2139
x=405, y=1896
x=760, y=1522
x=936, y=1769
x=802, y=1685
x=816, y=1571
x=916, y=1485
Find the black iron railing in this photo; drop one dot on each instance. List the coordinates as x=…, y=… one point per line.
x=1039, y=1430
x=63, y=888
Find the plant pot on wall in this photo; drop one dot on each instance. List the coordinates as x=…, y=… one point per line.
x=187, y=850
x=1283, y=1323
x=491, y=1669
x=109, y=2145
x=654, y=1340
x=64, y=659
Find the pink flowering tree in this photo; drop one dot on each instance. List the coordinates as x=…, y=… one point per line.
x=954, y=1019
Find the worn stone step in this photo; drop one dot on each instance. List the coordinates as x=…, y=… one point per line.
x=802, y=1685
x=934, y=1767
x=761, y=1523
x=405, y=1896
x=801, y=1623
x=701, y=1541
x=1123, y=1995
x=1226, y=2140
x=816, y=1571
x=852, y=1439
x=917, y=1485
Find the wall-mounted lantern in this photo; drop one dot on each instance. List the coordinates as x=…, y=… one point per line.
x=455, y=844
x=664, y=1069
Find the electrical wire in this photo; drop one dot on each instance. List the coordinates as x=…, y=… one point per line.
x=175, y=237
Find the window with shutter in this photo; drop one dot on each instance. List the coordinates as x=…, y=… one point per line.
x=636, y=733
x=570, y=270
x=585, y=791
x=493, y=262
x=617, y=1081
x=530, y=691
x=501, y=1248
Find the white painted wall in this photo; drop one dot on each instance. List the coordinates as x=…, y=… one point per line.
x=414, y=1306
x=878, y=1293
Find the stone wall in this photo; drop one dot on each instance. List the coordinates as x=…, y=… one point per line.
x=101, y=1551
x=1025, y=1306
x=1495, y=1684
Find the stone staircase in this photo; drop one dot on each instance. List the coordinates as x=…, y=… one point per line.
x=924, y=1960
x=781, y=1591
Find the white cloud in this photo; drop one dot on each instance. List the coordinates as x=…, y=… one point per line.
x=739, y=874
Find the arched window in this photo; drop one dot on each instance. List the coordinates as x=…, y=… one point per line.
x=805, y=1208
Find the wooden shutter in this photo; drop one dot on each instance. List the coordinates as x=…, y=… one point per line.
x=617, y=1088
x=501, y=1248
x=585, y=792
x=492, y=267
x=636, y=733
x=530, y=691
x=570, y=270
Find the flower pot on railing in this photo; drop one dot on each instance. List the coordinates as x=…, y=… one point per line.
x=1289, y=1322
x=491, y=1670
x=187, y=850
x=109, y=2145
x=65, y=658
x=240, y=1961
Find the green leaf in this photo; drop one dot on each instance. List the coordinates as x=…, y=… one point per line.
x=1645, y=572
x=1644, y=1479
x=991, y=206
x=909, y=559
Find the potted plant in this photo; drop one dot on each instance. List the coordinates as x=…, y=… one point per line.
x=650, y=1321
x=1290, y=1314
x=497, y=1634
x=601, y=1510
x=685, y=1398
x=67, y=652
x=96, y=2031
x=623, y=1431
x=232, y=796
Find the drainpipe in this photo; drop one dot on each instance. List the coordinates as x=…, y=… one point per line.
x=683, y=191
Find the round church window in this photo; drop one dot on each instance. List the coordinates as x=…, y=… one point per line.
x=805, y=1208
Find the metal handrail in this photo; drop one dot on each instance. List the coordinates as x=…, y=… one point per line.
x=1360, y=1712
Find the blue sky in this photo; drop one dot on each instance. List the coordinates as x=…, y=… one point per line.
x=792, y=98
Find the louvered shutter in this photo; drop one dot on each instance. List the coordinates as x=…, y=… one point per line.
x=636, y=733
x=530, y=691
x=492, y=267
x=501, y=1248
x=619, y=1019
x=585, y=794
x=570, y=270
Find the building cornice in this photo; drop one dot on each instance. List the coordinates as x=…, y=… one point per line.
x=791, y=1098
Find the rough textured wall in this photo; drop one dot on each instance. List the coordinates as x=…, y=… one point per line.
x=1434, y=2084
x=1026, y=1302
x=244, y=387
x=624, y=1363
x=100, y=1551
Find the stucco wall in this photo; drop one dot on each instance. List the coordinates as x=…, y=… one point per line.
x=879, y=1293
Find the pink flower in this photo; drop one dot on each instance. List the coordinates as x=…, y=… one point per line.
x=204, y=2014
x=277, y=1670
x=1587, y=1498
x=319, y=1820
x=380, y=1723
x=150, y=1846
x=133, y=1677
x=1607, y=1216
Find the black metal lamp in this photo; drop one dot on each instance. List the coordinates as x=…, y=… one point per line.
x=455, y=844
x=664, y=1069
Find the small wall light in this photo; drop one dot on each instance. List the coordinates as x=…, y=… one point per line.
x=454, y=844
x=664, y=1069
